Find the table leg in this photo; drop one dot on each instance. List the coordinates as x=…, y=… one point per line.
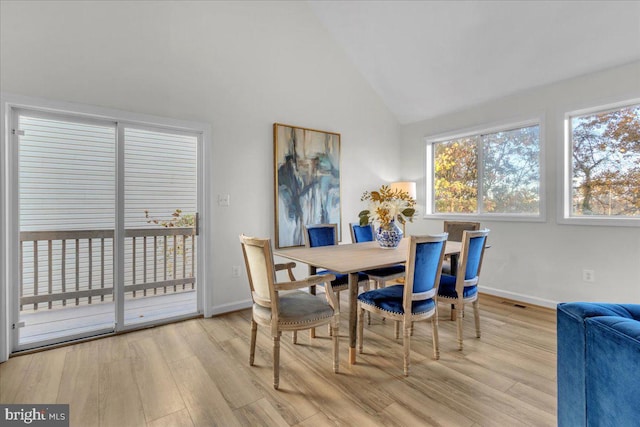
x=454, y=271
x=312, y=290
x=353, y=318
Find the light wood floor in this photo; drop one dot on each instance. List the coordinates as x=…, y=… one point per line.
x=196, y=373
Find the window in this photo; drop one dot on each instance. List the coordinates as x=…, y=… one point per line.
x=489, y=173
x=602, y=183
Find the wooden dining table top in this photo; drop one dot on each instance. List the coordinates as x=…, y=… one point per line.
x=354, y=257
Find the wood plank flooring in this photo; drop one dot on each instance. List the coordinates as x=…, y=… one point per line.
x=196, y=373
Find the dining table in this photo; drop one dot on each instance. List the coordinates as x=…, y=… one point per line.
x=351, y=259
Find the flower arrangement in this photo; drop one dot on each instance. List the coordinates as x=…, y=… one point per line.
x=386, y=206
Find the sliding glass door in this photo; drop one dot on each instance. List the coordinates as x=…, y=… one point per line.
x=107, y=226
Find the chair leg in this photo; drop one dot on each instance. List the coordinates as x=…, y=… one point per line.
x=360, y=328
x=329, y=328
x=294, y=337
x=476, y=316
x=379, y=285
x=335, y=333
x=397, y=330
x=406, y=334
x=435, y=337
x=276, y=360
x=252, y=348
x=459, y=319
x=312, y=331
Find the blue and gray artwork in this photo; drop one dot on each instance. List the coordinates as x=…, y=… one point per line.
x=308, y=180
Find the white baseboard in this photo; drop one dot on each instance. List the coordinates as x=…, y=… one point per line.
x=241, y=305
x=518, y=297
x=228, y=308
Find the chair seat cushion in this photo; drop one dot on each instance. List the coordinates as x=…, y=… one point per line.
x=447, y=288
x=297, y=307
x=386, y=271
x=342, y=280
x=390, y=299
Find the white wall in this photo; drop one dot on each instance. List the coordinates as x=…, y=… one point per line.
x=240, y=66
x=542, y=262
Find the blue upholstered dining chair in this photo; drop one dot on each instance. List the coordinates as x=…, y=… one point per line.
x=455, y=229
x=380, y=276
x=415, y=300
x=326, y=235
x=463, y=287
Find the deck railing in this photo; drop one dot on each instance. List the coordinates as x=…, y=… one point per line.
x=77, y=265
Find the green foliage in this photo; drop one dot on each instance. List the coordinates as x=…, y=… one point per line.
x=177, y=219
x=456, y=176
x=606, y=163
x=510, y=172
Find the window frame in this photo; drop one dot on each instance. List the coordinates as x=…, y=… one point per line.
x=565, y=194
x=430, y=141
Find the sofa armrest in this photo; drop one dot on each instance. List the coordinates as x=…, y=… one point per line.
x=571, y=354
x=613, y=371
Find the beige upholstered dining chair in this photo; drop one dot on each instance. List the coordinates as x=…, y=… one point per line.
x=281, y=306
x=455, y=229
x=463, y=287
x=415, y=300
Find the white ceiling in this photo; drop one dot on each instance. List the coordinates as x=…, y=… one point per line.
x=427, y=58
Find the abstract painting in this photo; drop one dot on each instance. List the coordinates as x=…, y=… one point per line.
x=307, y=181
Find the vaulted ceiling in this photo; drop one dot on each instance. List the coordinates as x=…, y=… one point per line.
x=427, y=58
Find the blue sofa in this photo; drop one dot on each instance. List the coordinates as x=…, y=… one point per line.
x=598, y=364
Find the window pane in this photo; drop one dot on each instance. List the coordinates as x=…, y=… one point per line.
x=606, y=163
x=67, y=174
x=456, y=176
x=511, y=171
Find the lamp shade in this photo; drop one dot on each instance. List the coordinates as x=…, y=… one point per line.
x=407, y=186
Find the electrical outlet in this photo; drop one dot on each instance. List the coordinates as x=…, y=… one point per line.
x=588, y=276
x=235, y=271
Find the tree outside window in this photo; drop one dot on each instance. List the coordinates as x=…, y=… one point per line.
x=605, y=150
x=507, y=181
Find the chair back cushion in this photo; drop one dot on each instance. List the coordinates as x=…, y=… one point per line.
x=259, y=262
x=455, y=229
x=321, y=235
x=362, y=233
x=474, y=256
x=427, y=266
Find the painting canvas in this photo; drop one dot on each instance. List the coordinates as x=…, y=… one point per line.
x=307, y=181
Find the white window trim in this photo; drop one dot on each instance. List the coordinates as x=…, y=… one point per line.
x=565, y=175
x=8, y=196
x=530, y=120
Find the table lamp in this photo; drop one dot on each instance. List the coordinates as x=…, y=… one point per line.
x=408, y=187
